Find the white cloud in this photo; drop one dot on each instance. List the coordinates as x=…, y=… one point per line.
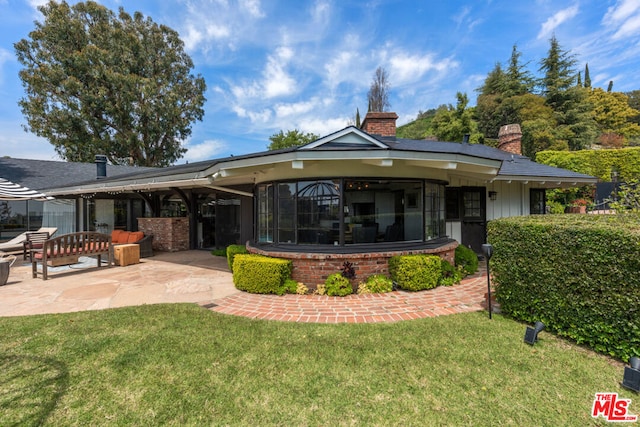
x=253, y=7
x=623, y=19
x=206, y=150
x=406, y=68
x=277, y=82
x=295, y=109
x=556, y=20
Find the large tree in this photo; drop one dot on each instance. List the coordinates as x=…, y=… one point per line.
x=453, y=123
x=101, y=83
x=292, y=138
x=378, y=95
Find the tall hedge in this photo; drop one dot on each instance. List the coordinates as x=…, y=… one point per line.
x=579, y=274
x=598, y=163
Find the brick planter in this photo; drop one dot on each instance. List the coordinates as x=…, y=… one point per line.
x=313, y=268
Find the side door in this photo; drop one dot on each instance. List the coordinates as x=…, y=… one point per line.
x=474, y=217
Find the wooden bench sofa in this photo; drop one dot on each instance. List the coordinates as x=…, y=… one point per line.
x=68, y=248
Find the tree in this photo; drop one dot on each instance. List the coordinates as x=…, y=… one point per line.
x=379, y=91
x=453, y=123
x=614, y=115
x=572, y=111
x=292, y=138
x=97, y=83
x=587, y=77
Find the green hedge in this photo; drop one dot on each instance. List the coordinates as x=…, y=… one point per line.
x=576, y=273
x=598, y=163
x=466, y=259
x=232, y=251
x=415, y=272
x=259, y=274
x=337, y=285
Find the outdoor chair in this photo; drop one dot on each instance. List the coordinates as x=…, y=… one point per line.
x=17, y=243
x=34, y=240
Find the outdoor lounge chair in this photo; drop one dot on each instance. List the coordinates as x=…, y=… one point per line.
x=17, y=243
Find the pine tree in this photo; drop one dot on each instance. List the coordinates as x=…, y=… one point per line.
x=358, y=118
x=579, y=84
x=587, y=78
x=610, y=88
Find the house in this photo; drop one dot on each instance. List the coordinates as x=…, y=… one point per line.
x=356, y=195
x=65, y=214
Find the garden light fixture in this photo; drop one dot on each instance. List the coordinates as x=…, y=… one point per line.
x=631, y=379
x=531, y=334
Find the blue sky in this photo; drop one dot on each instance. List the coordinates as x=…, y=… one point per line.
x=272, y=65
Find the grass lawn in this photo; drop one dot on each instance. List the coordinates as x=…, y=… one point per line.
x=184, y=365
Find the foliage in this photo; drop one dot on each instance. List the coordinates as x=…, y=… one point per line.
x=415, y=272
x=232, y=251
x=97, y=83
x=450, y=275
x=219, y=252
x=575, y=273
x=378, y=95
x=348, y=270
x=178, y=364
x=420, y=128
x=292, y=138
x=259, y=274
x=291, y=286
x=627, y=197
x=451, y=124
x=613, y=114
x=376, y=284
x=466, y=259
x=598, y=163
x=337, y=285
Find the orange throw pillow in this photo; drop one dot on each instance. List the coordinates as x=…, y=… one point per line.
x=135, y=236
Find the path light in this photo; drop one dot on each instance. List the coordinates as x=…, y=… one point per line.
x=531, y=334
x=631, y=378
x=487, y=250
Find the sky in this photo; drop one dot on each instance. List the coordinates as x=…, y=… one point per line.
x=308, y=65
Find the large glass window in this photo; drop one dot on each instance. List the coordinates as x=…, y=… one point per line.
x=349, y=211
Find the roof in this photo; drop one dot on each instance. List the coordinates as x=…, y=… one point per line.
x=344, y=147
x=44, y=174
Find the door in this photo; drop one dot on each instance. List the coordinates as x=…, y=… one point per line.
x=474, y=220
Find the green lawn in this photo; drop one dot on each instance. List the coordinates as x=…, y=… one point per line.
x=184, y=365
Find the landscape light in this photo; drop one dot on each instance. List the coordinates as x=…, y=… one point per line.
x=531, y=334
x=631, y=379
x=487, y=250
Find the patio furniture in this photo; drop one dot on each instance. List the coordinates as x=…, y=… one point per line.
x=68, y=248
x=119, y=237
x=34, y=240
x=6, y=261
x=17, y=243
x=126, y=254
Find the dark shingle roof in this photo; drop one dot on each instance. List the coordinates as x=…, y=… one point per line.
x=44, y=174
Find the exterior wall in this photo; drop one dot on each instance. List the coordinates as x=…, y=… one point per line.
x=312, y=269
x=169, y=234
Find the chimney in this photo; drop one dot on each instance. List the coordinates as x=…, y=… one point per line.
x=380, y=123
x=510, y=139
x=101, y=166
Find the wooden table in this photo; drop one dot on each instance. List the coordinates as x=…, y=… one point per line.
x=126, y=254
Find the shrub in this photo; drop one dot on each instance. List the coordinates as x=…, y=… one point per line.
x=337, y=285
x=259, y=274
x=301, y=289
x=415, y=272
x=219, y=252
x=466, y=259
x=575, y=273
x=376, y=284
x=450, y=274
x=232, y=251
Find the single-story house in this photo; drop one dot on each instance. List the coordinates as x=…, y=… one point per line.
x=357, y=195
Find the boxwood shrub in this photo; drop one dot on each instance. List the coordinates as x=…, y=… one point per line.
x=376, y=284
x=576, y=273
x=466, y=259
x=415, y=272
x=337, y=285
x=259, y=274
x=232, y=251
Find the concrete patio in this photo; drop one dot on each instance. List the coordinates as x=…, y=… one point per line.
x=198, y=277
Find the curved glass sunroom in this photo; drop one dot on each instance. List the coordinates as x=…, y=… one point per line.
x=348, y=211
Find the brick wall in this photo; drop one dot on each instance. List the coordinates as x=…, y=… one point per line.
x=169, y=234
x=380, y=124
x=313, y=268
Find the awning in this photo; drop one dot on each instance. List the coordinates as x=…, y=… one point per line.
x=12, y=191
